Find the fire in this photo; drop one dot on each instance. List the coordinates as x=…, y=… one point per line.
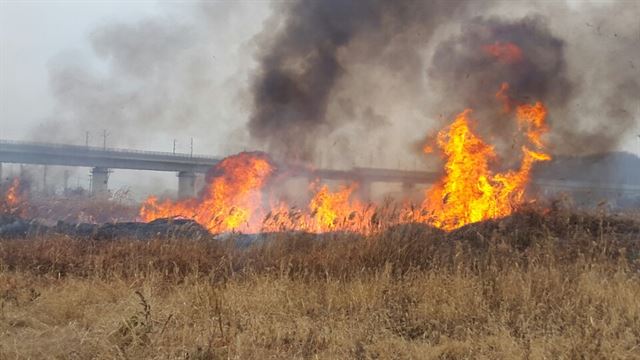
x=335, y=210
x=13, y=202
x=327, y=211
x=505, y=52
x=470, y=191
x=231, y=200
x=13, y=193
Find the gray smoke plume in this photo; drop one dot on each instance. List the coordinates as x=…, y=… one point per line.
x=174, y=75
x=311, y=51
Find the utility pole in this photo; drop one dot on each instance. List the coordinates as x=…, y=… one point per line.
x=44, y=180
x=104, y=139
x=191, y=154
x=66, y=181
x=174, y=146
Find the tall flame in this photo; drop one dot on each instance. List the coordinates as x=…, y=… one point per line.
x=469, y=191
x=231, y=200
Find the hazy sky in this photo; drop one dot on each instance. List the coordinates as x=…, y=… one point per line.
x=37, y=36
x=32, y=33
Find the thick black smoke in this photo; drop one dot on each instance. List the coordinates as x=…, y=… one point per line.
x=465, y=74
x=308, y=54
x=526, y=56
x=304, y=59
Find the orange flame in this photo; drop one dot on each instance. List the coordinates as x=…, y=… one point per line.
x=469, y=191
x=335, y=210
x=13, y=202
x=505, y=52
x=230, y=201
x=326, y=211
x=13, y=193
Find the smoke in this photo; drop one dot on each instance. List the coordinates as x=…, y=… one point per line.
x=312, y=48
x=323, y=62
x=174, y=75
x=468, y=70
x=603, y=48
x=358, y=81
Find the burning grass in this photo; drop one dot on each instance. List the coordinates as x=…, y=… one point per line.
x=470, y=190
x=537, y=285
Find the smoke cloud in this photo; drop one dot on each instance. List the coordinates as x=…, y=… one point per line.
x=448, y=56
x=358, y=81
x=175, y=75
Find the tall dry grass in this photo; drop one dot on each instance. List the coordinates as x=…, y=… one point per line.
x=558, y=285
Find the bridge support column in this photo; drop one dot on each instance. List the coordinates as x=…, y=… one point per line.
x=186, y=184
x=364, y=190
x=407, y=188
x=99, y=180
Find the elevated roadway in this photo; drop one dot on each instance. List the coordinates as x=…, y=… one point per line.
x=102, y=160
x=109, y=158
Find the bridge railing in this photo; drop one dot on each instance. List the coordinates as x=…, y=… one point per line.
x=107, y=149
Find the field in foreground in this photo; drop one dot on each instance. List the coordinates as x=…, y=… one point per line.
x=559, y=285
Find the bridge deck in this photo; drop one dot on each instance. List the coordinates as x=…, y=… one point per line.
x=112, y=158
x=87, y=156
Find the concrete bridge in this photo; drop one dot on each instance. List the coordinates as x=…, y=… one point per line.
x=102, y=160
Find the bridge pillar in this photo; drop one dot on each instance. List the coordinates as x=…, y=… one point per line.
x=364, y=190
x=186, y=184
x=407, y=187
x=99, y=180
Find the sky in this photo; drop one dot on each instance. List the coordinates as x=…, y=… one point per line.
x=37, y=36
x=32, y=34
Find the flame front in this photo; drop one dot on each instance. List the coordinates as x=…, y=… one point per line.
x=327, y=211
x=470, y=191
x=231, y=200
x=336, y=210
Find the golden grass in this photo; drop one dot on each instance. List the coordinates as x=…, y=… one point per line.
x=530, y=286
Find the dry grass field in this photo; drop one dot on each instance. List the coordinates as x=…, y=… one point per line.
x=531, y=286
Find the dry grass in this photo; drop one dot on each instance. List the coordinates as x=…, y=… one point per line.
x=531, y=286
